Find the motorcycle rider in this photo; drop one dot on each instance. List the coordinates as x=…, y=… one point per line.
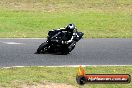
x=70, y=34
x=69, y=37
x=61, y=41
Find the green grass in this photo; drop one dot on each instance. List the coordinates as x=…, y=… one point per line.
x=96, y=18
x=15, y=77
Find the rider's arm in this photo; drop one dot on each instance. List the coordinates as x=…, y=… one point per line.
x=72, y=38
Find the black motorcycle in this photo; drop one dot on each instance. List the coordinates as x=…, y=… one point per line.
x=54, y=44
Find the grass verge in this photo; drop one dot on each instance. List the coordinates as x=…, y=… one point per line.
x=15, y=77
x=96, y=18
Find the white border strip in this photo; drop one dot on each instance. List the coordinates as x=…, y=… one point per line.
x=12, y=43
x=23, y=38
x=66, y=66
x=83, y=65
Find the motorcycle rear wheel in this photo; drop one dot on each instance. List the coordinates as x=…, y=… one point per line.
x=42, y=48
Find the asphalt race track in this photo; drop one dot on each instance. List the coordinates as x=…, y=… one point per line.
x=20, y=52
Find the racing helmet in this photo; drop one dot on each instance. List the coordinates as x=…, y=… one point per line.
x=70, y=27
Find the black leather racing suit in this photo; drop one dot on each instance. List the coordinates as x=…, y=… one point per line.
x=69, y=37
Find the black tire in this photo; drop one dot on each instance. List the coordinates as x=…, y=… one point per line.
x=71, y=48
x=42, y=48
x=81, y=80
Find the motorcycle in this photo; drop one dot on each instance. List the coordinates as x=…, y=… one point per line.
x=53, y=43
